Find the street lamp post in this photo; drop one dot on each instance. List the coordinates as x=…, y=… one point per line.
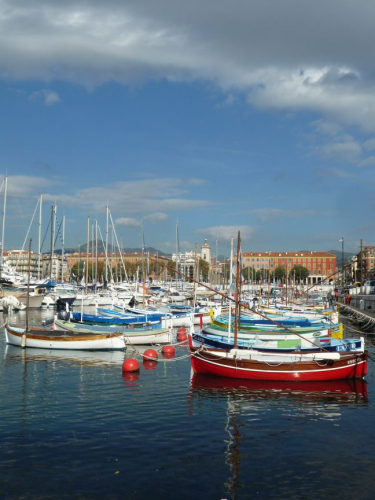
x=342, y=261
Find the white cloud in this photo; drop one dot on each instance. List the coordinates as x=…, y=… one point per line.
x=49, y=97
x=266, y=214
x=327, y=127
x=91, y=43
x=128, y=222
x=134, y=198
x=350, y=150
x=322, y=90
x=338, y=173
x=338, y=145
x=369, y=144
x=23, y=186
x=156, y=217
x=225, y=233
x=228, y=101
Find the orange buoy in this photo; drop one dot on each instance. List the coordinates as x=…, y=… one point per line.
x=150, y=354
x=130, y=365
x=168, y=349
x=149, y=364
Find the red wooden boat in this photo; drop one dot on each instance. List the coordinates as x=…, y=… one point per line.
x=294, y=367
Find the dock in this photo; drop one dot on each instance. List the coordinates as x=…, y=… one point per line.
x=360, y=312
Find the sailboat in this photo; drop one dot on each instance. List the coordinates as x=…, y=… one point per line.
x=43, y=337
x=294, y=366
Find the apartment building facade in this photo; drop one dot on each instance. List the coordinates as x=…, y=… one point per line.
x=321, y=265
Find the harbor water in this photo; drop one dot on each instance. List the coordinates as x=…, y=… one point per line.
x=74, y=427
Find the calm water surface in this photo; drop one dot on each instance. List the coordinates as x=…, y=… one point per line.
x=72, y=427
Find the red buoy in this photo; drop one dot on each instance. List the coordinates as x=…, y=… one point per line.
x=168, y=355
x=150, y=354
x=149, y=364
x=130, y=365
x=181, y=337
x=182, y=329
x=130, y=376
x=168, y=349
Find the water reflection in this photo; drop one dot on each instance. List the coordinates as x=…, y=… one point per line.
x=340, y=391
x=252, y=407
x=13, y=354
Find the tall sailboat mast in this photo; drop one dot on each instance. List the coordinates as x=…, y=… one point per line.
x=106, y=249
x=62, y=249
x=53, y=216
x=3, y=228
x=237, y=296
x=87, y=253
x=40, y=237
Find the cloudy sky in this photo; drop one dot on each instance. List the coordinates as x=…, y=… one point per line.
x=218, y=116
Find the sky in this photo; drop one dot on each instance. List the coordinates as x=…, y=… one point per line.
x=213, y=117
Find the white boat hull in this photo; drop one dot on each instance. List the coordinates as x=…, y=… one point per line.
x=62, y=340
x=135, y=336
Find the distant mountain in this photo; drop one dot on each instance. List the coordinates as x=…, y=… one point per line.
x=338, y=254
x=111, y=249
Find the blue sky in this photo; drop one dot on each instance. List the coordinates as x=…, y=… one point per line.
x=219, y=116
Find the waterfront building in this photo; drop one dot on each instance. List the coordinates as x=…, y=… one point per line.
x=206, y=252
x=321, y=265
x=18, y=260
x=363, y=264
x=149, y=264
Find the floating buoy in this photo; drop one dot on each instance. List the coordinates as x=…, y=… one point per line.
x=182, y=329
x=168, y=355
x=149, y=364
x=130, y=365
x=130, y=376
x=168, y=351
x=150, y=354
x=181, y=336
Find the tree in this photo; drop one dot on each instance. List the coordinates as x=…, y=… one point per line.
x=249, y=273
x=204, y=269
x=300, y=272
x=280, y=272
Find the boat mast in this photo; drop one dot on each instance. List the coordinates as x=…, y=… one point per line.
x=195, y=277
x=177, y=255
x=106, y=251
x=96, y=254
x=269, y=280
x=52, y=237
x=40, y=237
x=23, y=340
x=87, y=253
x=230, y=289
x=62, y=250
x=3, y=228
x=237, y=302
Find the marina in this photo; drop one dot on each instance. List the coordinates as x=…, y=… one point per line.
x=187, y=254
x=78, y=427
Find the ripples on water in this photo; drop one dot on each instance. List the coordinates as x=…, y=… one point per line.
x=73, y=427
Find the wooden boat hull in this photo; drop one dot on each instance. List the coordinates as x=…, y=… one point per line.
x=260, y=366
x=329, y=344
x=266, y=335
x=136, y=336
x=44, y=338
